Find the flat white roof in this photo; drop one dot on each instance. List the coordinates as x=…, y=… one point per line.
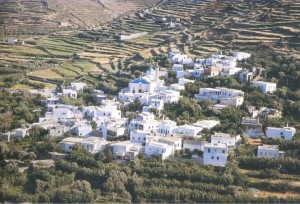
x=205, y=123
x=169, y=139
x=141, y=131
x=219, y=145
x=126, y=143
x=263, y=82
x=93, y=140
x=191, y=127
x=158, y=144
x=268, y=147
x=72, y=140
x=283, y=128
x=222, y=135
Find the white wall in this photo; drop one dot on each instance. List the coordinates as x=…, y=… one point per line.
x=285, y=133
x=216, y=156
x=152, y=149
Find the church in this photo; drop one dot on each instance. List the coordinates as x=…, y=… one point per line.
x=148, y=83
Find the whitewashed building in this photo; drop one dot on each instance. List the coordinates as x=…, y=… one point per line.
x=92, y=144
x=177, y=58
x=233, y=102
x=176, y=142
x=208, y=124
x=270, y=151
x=126, y=149
x=265, y=87
x=67, y=143
x=189, y=130
x=194, y=144
x=109, y=111
x=252, y=127
x=145, y=116
x=167, y=128
x=70, y=93
x=78, y=86
x=58, y=130
x=155, y=104
x=241, y=55
x=150, y=126
x=82, y=128
x=286, y=133
x=230, y=71
x=163, y=149
x=177, y=67
x=215, y=154
x=52, y=101
x=139, y=136
x=183, y=81
x=246, y=76
x=60, y=114
x=222, y=138
x=225, y=96
x=169, y=96
x=141, y=85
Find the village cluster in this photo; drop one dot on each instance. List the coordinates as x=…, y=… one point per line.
x=154, y=136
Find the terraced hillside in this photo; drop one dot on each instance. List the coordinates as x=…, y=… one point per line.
x=19, y=17
x=207, y=26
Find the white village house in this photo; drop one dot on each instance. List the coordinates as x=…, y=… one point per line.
x=139, y=136
x=163, y=149
x=270, y=151
x=194, y=144
x=286, y=133
x=215, y=154
x=223, y=138
x=265, y=87
x=127, y=149
x=252, y=127
x=225, y=96
x=92, y=144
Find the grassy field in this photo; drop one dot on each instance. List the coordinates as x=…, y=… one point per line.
x=48, y=74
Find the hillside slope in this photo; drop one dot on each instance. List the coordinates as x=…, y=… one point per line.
x=44, y=16
x=266, y=30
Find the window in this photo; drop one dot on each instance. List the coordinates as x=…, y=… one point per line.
x=217, y=158
x=223, y=151
x=133, y=138
x=212, y=157
x=139, y=138
x=208, y=150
